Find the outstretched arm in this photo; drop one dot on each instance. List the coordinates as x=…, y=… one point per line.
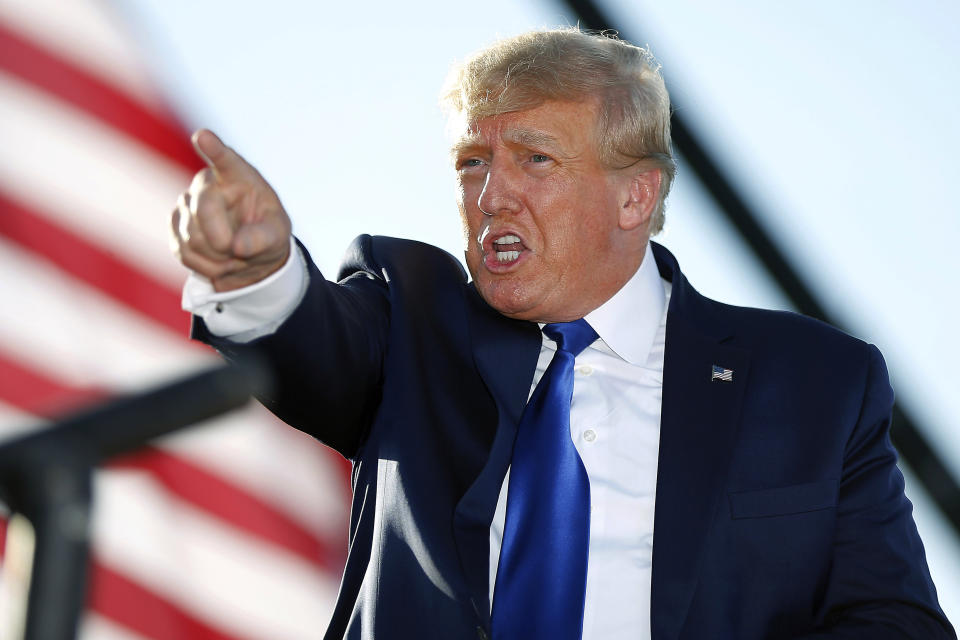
x=326, y=346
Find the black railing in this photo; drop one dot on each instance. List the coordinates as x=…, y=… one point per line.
x=46, y=475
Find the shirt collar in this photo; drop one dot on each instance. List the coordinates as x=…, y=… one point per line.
x=628, y=322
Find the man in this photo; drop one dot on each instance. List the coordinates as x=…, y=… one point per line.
x=754, y=443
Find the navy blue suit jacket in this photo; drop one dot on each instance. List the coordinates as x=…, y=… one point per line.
x=780, y=511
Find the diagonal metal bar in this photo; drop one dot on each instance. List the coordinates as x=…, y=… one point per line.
x=916, y=451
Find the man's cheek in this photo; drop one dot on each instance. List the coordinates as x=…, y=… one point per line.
x=465, y=229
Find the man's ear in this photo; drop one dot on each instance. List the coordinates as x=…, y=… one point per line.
x=641, y=200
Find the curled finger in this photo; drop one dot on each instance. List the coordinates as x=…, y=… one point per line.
x=213, y=218
x=210, y=268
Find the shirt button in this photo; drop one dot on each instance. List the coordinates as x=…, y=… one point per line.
x=219, y=307
x=585, y=369
x=589, y=435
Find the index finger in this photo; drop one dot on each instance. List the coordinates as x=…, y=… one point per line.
x=222, y=160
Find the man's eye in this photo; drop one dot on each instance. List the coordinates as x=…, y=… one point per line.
x=539, y=157
x=471, y=162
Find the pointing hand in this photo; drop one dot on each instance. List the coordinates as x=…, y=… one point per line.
x=229, y=225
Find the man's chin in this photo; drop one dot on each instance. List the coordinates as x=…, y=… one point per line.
x=506, y=300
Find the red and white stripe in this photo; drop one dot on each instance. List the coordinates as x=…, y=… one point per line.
x=234, y=529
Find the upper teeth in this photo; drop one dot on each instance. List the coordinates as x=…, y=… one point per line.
x=506, y=240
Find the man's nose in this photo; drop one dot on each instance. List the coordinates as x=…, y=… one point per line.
x=500, y=192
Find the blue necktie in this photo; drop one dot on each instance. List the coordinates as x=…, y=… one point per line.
x=542, y=575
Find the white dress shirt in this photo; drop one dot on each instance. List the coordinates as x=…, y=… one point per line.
x=246, y=314
x=614, y=423
x=615, y=426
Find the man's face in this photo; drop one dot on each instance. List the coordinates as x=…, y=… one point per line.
x=550, y=232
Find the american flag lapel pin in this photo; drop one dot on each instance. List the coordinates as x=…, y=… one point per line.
x=719, y=373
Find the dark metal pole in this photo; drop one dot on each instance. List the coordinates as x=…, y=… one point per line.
x=929, y=468
x=56, y=500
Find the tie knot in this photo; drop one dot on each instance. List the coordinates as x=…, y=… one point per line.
x=572, y=337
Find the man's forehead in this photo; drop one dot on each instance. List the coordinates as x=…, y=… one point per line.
x=525, y=134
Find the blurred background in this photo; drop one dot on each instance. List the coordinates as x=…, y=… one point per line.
x=834, y=122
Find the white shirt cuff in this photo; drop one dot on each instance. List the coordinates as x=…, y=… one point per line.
x=245, y=314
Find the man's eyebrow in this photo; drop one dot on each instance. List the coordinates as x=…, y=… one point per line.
x=468, y=144
x=531, y=138
x=465, y=143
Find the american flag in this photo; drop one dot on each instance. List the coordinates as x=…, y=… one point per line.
x=234, y=529
x=722, y=374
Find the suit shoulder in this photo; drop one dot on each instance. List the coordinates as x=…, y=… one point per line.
x=388, y=257
x=792, y=331
x=779, y=331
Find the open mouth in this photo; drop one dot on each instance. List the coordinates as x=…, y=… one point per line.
x=501, y=250
x=507, y=248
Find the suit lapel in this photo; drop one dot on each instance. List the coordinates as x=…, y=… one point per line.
x=698, y=426
x=505, y=352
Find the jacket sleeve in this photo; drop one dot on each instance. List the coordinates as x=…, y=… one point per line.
x=880, y=586
x=326, y=359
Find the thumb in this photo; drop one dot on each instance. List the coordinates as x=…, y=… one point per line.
x=224, y=161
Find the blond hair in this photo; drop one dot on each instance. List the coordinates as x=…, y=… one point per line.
x=525, y=71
